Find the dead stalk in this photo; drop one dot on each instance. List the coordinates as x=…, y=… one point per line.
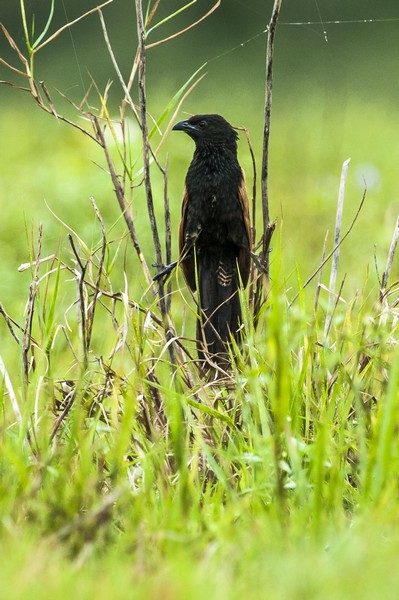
x=335, y=256
x=146, y=148
x=266, y=133
x=268, y=227
x=27, y=335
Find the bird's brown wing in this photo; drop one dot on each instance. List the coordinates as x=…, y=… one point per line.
x=244, y=258
x=186, y=254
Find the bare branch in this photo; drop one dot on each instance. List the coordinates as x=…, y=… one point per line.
x=253, y=216
x=92, y=308
x=15, y=47
x=125, y=88
x=120, y=195
x=11, y=68
x=17, y=87
x=266, y=130
x=146, y=147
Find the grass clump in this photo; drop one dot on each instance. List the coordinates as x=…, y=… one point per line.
x=135, y=466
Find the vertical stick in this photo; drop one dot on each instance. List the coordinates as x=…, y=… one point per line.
x=268, y=228
x=30, y=307
x=267, y=232
x=146, y=148
x=337, y=235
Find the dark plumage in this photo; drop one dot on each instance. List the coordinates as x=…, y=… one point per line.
x=215, y=232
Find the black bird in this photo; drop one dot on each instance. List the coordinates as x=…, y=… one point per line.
x=215, y=232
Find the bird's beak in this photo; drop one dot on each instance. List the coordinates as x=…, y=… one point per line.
x=184, y=126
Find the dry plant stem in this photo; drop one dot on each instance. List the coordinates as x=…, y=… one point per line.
x=33, y=89
x=27, y=336
x=146, y=148
x=134, y=69
x=266, y=133
x=120, y=195
x=168, y=232
x=268, y=227
x=389, y=262
x=9, y=322
x=10, y=390
x=253, y=217
x=60, y=419
x=335, y=256
x=126, y=88
x=17, y=50
x=82, y=301
x=92, y=308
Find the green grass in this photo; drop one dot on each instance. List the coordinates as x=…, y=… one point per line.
x=282, y=483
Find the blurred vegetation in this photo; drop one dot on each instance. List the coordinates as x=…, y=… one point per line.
x=148, y=486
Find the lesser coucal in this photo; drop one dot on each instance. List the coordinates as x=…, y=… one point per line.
x=215, y=232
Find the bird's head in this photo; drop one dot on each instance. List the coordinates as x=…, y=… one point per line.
x=209, y=130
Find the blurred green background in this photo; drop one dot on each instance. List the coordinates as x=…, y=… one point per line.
x=335, y=96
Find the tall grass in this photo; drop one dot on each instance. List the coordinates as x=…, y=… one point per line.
x=205, y=483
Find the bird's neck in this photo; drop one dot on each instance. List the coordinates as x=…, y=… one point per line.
x=216, y=157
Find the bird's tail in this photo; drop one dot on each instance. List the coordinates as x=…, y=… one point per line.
x=218, y=284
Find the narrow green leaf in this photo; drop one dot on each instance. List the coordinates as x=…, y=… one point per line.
x=174, y=100
x=46, y=27
x=169, y=17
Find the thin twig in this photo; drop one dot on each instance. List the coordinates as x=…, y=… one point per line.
x=10, y=322
x=27, y=336
x=253, y=215
x=14, y=46
x=168, y=231
x=82, y=300
x=125, y=88
x=146, y=148
x=266, y=130
x=120, y=195
x=11, y=68
x=92, y=308
x=268, y=227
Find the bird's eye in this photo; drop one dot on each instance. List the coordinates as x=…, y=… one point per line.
x=202, y=124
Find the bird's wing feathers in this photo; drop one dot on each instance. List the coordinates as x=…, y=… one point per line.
x=186, y=255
